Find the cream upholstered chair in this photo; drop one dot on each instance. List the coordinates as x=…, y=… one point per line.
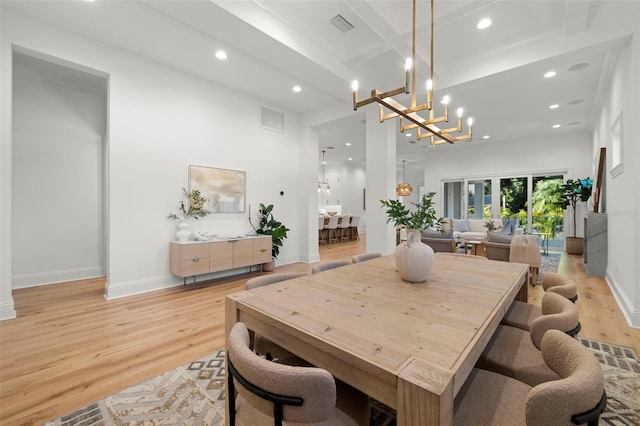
x=262, y=392
x=497, y=251
x=516, y=353
x=521, y=314
x=353, y=228
x=332, y=229
x=329, y=265
x=261, y=344
x=577, y=397
x=365, y=256
x=564, y=286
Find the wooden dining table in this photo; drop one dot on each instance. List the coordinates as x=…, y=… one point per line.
x=410, y=346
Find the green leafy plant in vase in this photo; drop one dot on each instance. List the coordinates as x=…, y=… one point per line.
x=191, y=207
x=267, y=225
x=414, y=259
x=570, y=194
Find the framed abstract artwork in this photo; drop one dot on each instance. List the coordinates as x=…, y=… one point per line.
x=225, y=189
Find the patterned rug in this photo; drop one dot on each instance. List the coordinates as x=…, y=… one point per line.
x=550, y=263
x=193, y=394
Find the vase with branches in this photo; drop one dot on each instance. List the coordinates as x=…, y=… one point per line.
x=414, y=259
x=570, y=194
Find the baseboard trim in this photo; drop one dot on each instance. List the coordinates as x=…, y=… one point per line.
x=7, y=310
x=53, y=277
x=631, y=314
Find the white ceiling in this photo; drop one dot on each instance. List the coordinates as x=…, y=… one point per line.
x=495, y=74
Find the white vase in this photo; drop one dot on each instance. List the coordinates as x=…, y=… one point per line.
x=183, y=233
x=414, y=259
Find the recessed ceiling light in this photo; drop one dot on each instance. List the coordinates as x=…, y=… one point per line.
x=578, y=67
x=350, y=158
x=409, y=135
x=485, y=137
x=554, y=106
x=348, y=144
x=331, y=147
x=484, y=23
x=221, y=54
x=549, y=74
x=555, y=126
x=576, y=101
x=413, y=142
x=573, y=123
x=297, y=89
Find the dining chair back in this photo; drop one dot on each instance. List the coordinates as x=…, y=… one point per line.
x=564, y=286
x=365, y=256
x=577, y=397
x=264, y=392
x=329, y=265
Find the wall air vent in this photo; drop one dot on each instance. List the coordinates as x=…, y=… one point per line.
x=341, y=23
x=271, y=119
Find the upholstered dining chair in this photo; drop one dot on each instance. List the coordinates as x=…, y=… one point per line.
x=262, y=392
x=261, y=344
x=522, y=314
x=497, y=251
x=516, y=353
x=564, y=286
x=577, y=397
x=329, y=265
x=362, y=257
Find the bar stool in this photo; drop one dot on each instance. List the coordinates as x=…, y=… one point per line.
x=353, y=228
x=321, y=232
x=343, y=225
x=332, y=228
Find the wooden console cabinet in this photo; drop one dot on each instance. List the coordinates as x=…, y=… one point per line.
x=192, y=258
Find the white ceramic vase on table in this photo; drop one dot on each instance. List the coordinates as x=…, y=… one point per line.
x=183, y=233
x=414, y=259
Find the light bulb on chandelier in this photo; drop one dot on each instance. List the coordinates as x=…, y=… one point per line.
x=410, y=114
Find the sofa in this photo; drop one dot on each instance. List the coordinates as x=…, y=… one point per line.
x=474, y=229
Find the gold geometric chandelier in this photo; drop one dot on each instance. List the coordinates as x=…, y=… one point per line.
x=403, y=189
x=409, y=117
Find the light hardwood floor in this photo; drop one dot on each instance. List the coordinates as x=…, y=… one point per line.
x=69, y=347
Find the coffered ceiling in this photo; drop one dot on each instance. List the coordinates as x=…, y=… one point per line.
x=496, y=74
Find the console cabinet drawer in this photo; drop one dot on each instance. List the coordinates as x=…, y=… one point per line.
x=262, y=250
x=201, y=257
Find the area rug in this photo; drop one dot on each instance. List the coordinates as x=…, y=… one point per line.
x=550, y=263
x=193, y=394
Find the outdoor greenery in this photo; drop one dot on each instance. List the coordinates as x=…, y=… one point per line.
x=423, y=217
x=571, y=193
x=193, y=208
x=267, y=225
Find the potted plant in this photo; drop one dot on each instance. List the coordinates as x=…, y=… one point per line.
x=414, y=259
x=569, y=195
x=267, y=225
x=192, y=209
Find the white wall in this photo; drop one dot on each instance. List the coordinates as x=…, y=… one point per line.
x=160, y=122
x=621, y=192
x=57, y=138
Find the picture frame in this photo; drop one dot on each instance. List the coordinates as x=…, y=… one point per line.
x=616, y=147
x=225, y=188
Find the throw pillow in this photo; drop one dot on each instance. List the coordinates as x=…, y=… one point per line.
x=429, y=233
x=508, y=226
x=497, y=237
x=461, y=225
